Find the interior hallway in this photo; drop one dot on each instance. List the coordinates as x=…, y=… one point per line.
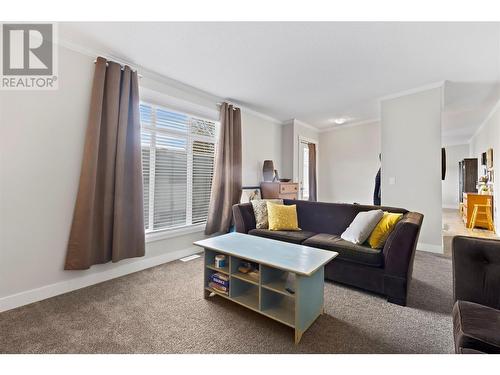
x=454, y=226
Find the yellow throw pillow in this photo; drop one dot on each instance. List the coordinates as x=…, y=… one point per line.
x=282, y=217
x=384, y=227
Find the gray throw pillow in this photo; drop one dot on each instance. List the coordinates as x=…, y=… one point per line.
x=362, y=226
x=260, y=211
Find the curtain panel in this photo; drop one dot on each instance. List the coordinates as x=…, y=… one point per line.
x=108, y=220
x=226, y=184
x=312, y=173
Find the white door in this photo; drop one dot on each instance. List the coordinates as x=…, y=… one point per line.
x=303, y=171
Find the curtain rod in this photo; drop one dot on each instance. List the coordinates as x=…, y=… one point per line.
x=122, y=65
x=234, y=105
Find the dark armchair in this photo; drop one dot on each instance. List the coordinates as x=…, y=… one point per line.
x=476, y=288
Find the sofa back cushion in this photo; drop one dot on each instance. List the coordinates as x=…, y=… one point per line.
x=362, y=226
x=332, y=218
x=282, y=217
x=260, y=211
x=383, y=229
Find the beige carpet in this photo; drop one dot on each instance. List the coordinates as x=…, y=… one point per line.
x=162, y=310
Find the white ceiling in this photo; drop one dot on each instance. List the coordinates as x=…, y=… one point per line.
x=466, y=106
x=314, y=71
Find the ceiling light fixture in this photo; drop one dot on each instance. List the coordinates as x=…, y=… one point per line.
x=339, y=120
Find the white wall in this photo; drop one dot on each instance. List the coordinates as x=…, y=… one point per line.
x=261, y=141
x=292, y=132
x=349, y=162
x=488, y=136
x=454, y=154
x=411, y=158
x=287, y=157
x=41, y=145
x=303, y=130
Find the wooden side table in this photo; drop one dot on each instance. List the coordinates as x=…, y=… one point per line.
x=279, y=190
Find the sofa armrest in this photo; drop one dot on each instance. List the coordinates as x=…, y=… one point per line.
x=244, y=218
x=476, y=270
x=399, y=250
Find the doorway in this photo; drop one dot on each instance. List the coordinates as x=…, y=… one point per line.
x=304, y=167
x=303, y=170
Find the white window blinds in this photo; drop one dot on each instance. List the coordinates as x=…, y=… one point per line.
x=178, y=160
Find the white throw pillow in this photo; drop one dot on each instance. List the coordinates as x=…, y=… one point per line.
x=362, y=226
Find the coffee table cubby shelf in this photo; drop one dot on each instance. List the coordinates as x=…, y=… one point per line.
x=285, y=296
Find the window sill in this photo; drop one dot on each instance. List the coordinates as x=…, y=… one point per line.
x=164, y=234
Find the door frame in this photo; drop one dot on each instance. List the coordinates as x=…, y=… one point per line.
x=301, y=140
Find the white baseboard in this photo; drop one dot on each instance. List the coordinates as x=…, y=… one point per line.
x=51, y=290
x=451, y=206
x=438, y=249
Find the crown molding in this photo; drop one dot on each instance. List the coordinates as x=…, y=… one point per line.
x=483, y=124
x=460, y=142
x=351, y=125
x=256, y=113
x=293, y=121
x=145, y=72
x=415, y=90
x=150, y=74
x=306, y=125
x=301, y=123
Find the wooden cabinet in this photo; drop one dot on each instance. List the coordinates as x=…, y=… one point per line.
x=279, y=190
x=469, y=200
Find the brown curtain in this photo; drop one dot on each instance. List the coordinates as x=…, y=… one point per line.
x=312, y=172
x=108, y=221
x=226, y=185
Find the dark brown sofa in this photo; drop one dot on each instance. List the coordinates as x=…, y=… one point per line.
x=386, y=271
x=476, y=290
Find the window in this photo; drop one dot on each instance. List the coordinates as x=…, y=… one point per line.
x=178, y=153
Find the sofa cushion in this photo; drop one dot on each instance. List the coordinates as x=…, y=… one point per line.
x=476, y=327
x=260, y=211
x=282, y=217
x=363, y=224
x=383, y=229
x=333, y=218
x=296, y=237
x=347, y=250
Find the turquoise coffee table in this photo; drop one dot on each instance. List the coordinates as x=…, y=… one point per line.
x=282, y=266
